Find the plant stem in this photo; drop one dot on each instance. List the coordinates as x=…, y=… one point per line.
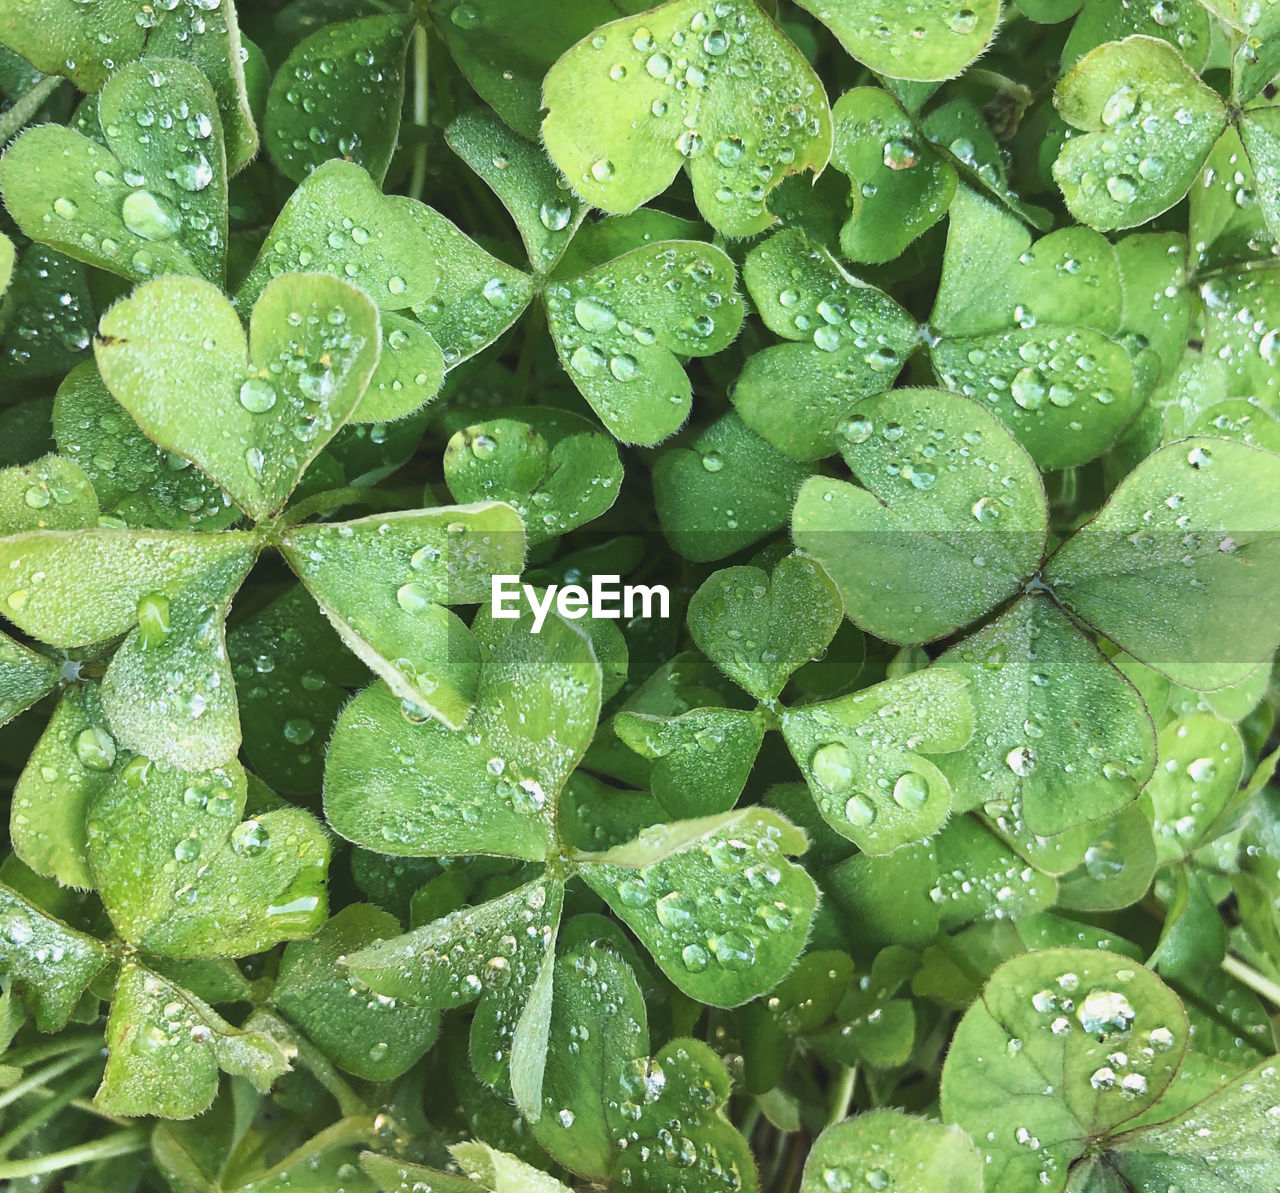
x=123, y=1143
x=1259, y=983
x=26, y=106
x=42, y=1114
x=842, y=1095
x=329, y=500
x=40, y=1076
x=421, y=60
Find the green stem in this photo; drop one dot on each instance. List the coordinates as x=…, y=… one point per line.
x=26, y=106
x=842, y=1095
x=40, y=1076
x=1259, y=983
x=421, y=66
x=124, y=1143
x=41, y=1115
x=24, y=1058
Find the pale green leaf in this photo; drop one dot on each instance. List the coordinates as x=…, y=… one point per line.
x=887, y=1148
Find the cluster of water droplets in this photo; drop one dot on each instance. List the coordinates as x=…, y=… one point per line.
x=48, y=310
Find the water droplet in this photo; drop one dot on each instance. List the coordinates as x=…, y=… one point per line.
x=859, y=812
x=594, y=316
x=1021, y=760
x=712, y=461
x=146, y=216
x=153, y=619
x=1105, y=1012
x=832, y=766
x=734, y=950
x=911, y=791
x=555, y=216
x=96, y=748
x=257, y=395
x=900, y=155
x=413, y=597
x=250, y=838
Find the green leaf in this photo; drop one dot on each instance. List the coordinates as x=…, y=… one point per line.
x=1234, y=338
x=505, y=47
x=51, y=493
x=1260, y=133
x=1117, y=868
x=478, y=297
x=862, y=756
x=69, y=766
x=1148, y=124
x=24, y=677
x=168, y=692
x=7, y=257
x=65, y=37
x=166, y=1047
x=339, y=94
x=702, y=759
x=725, y=491
x=556, y=469
x=50, y=291
x=210, y=39
x=494, y=952
x=852, y=341
x=182, y=875
x=725, y=95
x=73, y=588
x=491, y=788
x=1202, y=760
x=546, y=212
x=598, y=1024
x=1178, y=568
x=932, y=40
x=1183, y=26
x=759, y=630
x=292, y=678
x=620, y=328
x=374, y=243
x=502, y=1172
x=1066, y=392
x=398, y=1176
x=383, y=582
x=899, y=187
x=1226, y=1142
x=1060, y=736
x=47, y=964
x=887, y=1148
x=133, y=478
x=672, y=1117
x=719, y=950
x=951, y=523
x=1072, y=1012
x=83, y=198
x=269, y=403
x=369, y=1036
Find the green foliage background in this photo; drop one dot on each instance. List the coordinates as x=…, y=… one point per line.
x=929, y=353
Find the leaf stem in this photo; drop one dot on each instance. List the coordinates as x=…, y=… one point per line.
x=26, y=106
x=332, y=499
x=123, y=1143
x=1257, y=982
x=421, y=67
x=842, y=1095
x=48, y=1073
x=42, y=1114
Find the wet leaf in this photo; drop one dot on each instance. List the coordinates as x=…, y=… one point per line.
x=1177, y=568
x=725, y=95
x=489, y=788
x=951, y=522
x=851, y=341
x=1148, y=124
x=758, y=630
x=182, y=875
x=621, y=328
x=1060, y=736
x=25, y=676
x=151, y=199
x=721, y=951
x=67, y=37
x=270, y=402
x=887, y=1148
x=934, y=40
x=863, y=756
x=366, y=1034
x=1201, y=764
x=383, y=582
x=51, y=493
x=339, y=94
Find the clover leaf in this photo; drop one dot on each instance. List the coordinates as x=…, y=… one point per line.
x=1176, y=567
x=1058, y=730
x=862, y=756
x=887, y=1148
x=25, y=676
x=151, y=198
x=935, y=40
x=721, y=92
x=852, y=341
x=340, y=70
x=949, y=492
x=278, y=395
